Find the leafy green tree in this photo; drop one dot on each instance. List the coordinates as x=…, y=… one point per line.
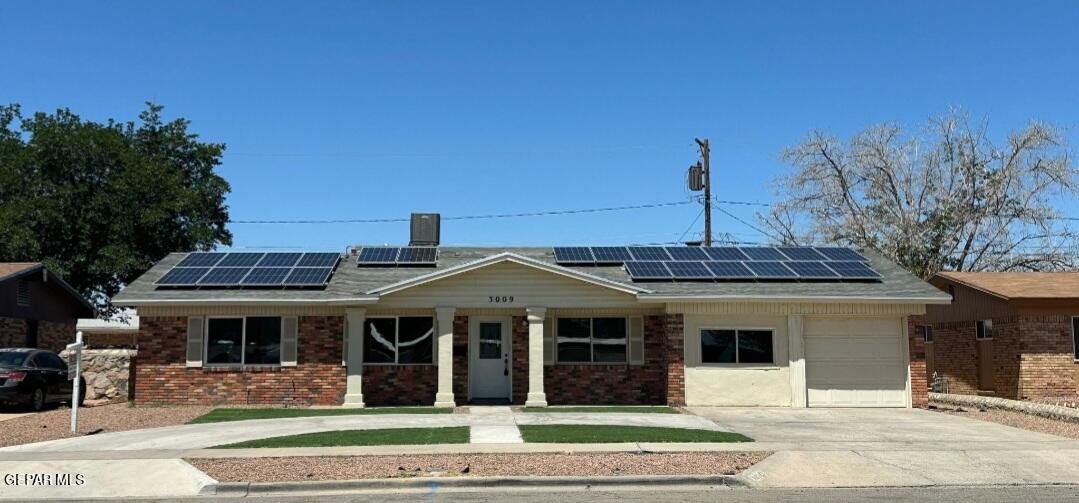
x=101, y=203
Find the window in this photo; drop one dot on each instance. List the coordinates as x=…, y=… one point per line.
x=927, y=333
x=49, y=361
x=1075, y=337
x=403, y=340
x=254, y=340
x=984, y=329
x=736, y=346
x=591, y=340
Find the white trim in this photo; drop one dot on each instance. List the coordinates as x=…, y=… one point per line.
x=397, y=344
x=736, y=363
x=824, y=299
x=243, y=341
x=506, y=257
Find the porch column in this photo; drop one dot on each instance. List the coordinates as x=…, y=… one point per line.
x=355, y=317
x=444, y=396
x=536, y=397
x=797, y=361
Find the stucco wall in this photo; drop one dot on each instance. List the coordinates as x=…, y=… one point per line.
x=737, y=384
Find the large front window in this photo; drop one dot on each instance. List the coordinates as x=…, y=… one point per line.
x=253, y=340
x=736, y=346
x=591, y=340
x=401, y=340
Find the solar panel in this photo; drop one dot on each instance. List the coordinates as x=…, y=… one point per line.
x=689, y=270
x=266, y=276
x=851, y=269
x=729, y=270
x=378, y=255
x=686, y=253
x=770, y=270
x=725, y=253
x=647, y=270
x=201, y=259
x=800, y=253
x=839, y=253
x=240, y=260
x=279, y=259
x=611, y=254
x=813, y=269
x=763, y=253
x=418, y=255
x=224, y=276
x=308, y=276
x=648, y=253
x=320, y=259
x=183, y=276
x=573, y=255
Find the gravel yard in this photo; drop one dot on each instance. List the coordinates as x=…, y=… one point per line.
x=54, y=424
x=369, y=467
x=1015, y=419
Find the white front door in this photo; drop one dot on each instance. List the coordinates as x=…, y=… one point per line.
x=489, y=361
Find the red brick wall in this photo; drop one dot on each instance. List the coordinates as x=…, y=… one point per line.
x=163, y=378
x=110, y=339
x=955, y=356
x=460, y=359
x=620, y=384
x=919, y=387
x=12, y=332
x=1047, y=365
x=519, y=365
x=1007, y=347
x=400, y=384
x=675, y=356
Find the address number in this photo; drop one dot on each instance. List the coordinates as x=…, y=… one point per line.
x=500, y=299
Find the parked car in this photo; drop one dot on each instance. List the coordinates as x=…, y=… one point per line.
x=35, y=378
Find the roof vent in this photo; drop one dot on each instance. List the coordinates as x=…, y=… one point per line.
x=426, y=229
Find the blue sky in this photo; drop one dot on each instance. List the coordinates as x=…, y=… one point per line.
x=346, y=110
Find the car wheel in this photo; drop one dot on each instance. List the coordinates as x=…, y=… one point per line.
x=37, y=399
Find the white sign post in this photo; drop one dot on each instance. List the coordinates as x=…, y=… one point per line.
x=76, y=349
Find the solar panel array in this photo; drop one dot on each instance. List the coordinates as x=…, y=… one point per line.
x=726, y=263
x=252, y=269
x=389, y=256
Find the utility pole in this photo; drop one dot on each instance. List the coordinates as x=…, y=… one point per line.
x=705, y=150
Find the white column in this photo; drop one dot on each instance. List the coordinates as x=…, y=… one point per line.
x=536, y=397
x=444, y=396
x=797, y=361
x=354, y=360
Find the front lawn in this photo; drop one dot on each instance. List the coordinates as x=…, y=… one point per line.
x=392, y=436
x=624, y=409
x=240, y=414
x=593, y=434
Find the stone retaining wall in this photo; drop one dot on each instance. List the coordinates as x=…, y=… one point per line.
x=107, y=372
x=987, y=402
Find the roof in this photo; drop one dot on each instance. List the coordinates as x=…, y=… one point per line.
x=125, y=321
x=13, y=268
x=1019, y=285
x=351, y=284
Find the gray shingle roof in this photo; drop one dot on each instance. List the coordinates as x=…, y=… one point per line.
x=351, y=282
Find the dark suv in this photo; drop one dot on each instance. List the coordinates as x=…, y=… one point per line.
x=35, y=378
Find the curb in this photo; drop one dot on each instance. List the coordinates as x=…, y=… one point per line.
x=433, y=483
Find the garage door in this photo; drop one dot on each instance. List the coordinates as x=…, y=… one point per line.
x=855, y=362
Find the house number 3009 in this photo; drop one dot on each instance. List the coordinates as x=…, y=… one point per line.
x=500, y=299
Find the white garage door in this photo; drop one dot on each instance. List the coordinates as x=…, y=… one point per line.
x=855, y=362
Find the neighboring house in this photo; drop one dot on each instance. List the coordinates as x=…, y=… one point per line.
x=1007, y=334
x=536, y=326
x=37, y=308
x=120, y=331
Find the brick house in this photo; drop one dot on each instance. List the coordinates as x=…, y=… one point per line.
x=1007, y=334
x=37, y=308
x=430, y=325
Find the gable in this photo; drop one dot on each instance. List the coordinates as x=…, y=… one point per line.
x=494, y=285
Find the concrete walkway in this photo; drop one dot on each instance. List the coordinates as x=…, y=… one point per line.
x=493, y=425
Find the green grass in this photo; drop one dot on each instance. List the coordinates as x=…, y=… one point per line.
x=633, y=409
x=393, y=436
x=591, y=434
x=239, y=414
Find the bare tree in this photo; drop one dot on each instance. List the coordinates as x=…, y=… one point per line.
x=944, y=199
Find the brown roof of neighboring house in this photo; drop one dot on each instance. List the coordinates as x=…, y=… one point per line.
x=9, y=268
x=1020, y=285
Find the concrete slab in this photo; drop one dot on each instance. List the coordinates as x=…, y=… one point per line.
x=622, y=419
x=81, y=479
x=493, y=425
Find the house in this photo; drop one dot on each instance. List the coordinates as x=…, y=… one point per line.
x=119, y=331
x=1006, y=334
x=38, y=309
x=432, y=325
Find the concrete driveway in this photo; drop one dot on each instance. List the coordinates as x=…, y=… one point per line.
x=897, y=447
